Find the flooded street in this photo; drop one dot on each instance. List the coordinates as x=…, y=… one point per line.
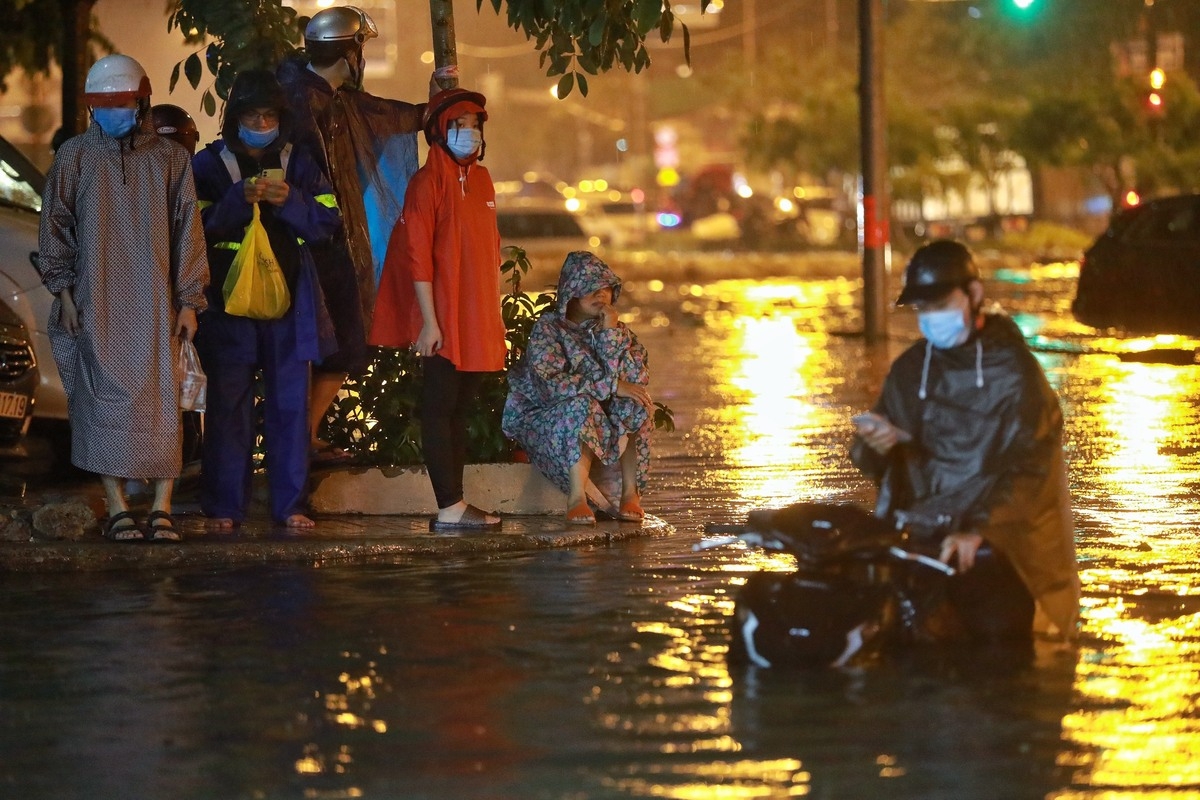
x=601, y=672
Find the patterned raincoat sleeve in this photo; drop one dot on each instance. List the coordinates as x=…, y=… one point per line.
x=57, y=245
x=635, y=361
x=557, y=376
x=189, y=258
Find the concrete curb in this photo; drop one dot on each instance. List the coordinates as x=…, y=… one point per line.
x=343, y=539
x=507, y=488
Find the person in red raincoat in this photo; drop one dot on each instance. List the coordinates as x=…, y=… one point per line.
x=440, y=292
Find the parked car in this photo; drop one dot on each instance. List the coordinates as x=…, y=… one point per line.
x=619, y=218
x=20, y=285
x=547, y=231
x=1142, y=274
x=18, y=379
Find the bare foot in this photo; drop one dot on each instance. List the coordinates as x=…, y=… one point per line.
x=218, y=524
x=299, y=521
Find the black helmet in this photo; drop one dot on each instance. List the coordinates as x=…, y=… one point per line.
x=175, y=123
x=935, y=270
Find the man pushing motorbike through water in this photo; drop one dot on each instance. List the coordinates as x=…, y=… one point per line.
x=965, y=444
x=972, y=530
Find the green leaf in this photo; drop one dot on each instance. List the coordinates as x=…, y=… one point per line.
x=209, y=104
x=646, y=14
x=174, y=77
x=596, y=30
x=582, y=80
x=193, y=69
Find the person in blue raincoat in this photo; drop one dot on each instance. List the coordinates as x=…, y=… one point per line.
x=232, y=174
x=578, y=399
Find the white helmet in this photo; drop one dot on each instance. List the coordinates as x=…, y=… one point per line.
x=115, y=80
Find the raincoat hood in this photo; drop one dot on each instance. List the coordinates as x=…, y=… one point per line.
x=583, y=273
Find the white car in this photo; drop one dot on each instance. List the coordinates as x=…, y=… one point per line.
x=621, y=222
x=21, y=287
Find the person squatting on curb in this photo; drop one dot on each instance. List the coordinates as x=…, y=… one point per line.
x=121, y=247
x=965, y=443
x=255, y=162
x=440, y=293
x=577, y=398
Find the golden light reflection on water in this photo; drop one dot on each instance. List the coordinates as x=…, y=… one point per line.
x=774, y=343
x=735, y=780
x=1135, y=472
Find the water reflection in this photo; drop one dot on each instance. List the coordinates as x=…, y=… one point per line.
x=602, y=672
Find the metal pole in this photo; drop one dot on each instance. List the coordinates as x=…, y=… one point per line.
x=445, y=50
x=875, y=208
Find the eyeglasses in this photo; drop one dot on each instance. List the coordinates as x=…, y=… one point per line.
x=252, y=117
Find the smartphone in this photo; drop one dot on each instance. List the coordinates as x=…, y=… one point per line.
x=865, y=420
x=272, y=174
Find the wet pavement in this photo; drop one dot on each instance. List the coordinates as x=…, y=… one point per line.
x=600, y=670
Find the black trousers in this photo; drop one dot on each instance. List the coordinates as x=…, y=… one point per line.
x=445, y=396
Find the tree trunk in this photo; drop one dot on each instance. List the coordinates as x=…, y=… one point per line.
x=445, y=51
x=77, y=19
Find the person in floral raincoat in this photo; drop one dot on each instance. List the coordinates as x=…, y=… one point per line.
x=577, y=399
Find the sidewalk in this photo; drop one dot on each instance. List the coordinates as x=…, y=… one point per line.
x=533, y=516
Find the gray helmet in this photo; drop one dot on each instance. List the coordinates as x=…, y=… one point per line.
x=937, y=269
x=340, y=25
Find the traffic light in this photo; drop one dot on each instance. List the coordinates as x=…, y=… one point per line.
x=1022, y=9
x=1154, y=97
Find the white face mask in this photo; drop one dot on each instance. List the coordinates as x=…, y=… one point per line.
x=463, y=142
x=944, y=328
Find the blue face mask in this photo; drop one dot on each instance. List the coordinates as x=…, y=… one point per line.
x=463, y=142
x=945, y=328
x=116, y=122
x=257, y=140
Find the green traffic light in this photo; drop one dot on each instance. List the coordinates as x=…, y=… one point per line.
x=1023, y=4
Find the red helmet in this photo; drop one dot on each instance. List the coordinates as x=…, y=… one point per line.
x=447, y=105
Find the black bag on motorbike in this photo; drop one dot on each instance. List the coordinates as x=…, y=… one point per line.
x=834, y=607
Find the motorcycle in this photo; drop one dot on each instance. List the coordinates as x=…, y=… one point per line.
x=858, y=587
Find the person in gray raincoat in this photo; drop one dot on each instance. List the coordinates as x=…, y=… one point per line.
x=965, y=442
x=578, y=398
x=122, y=248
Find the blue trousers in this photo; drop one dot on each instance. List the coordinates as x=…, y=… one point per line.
x=226, y=467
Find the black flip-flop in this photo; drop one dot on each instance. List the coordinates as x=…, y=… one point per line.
x=160, y=527
x=473, y=519
x=114, y=533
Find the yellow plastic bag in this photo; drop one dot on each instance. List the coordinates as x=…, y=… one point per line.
x=255, y=286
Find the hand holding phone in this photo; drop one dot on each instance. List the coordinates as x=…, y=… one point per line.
x=878, y=431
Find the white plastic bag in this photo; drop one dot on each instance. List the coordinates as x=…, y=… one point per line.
x=193, y=383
